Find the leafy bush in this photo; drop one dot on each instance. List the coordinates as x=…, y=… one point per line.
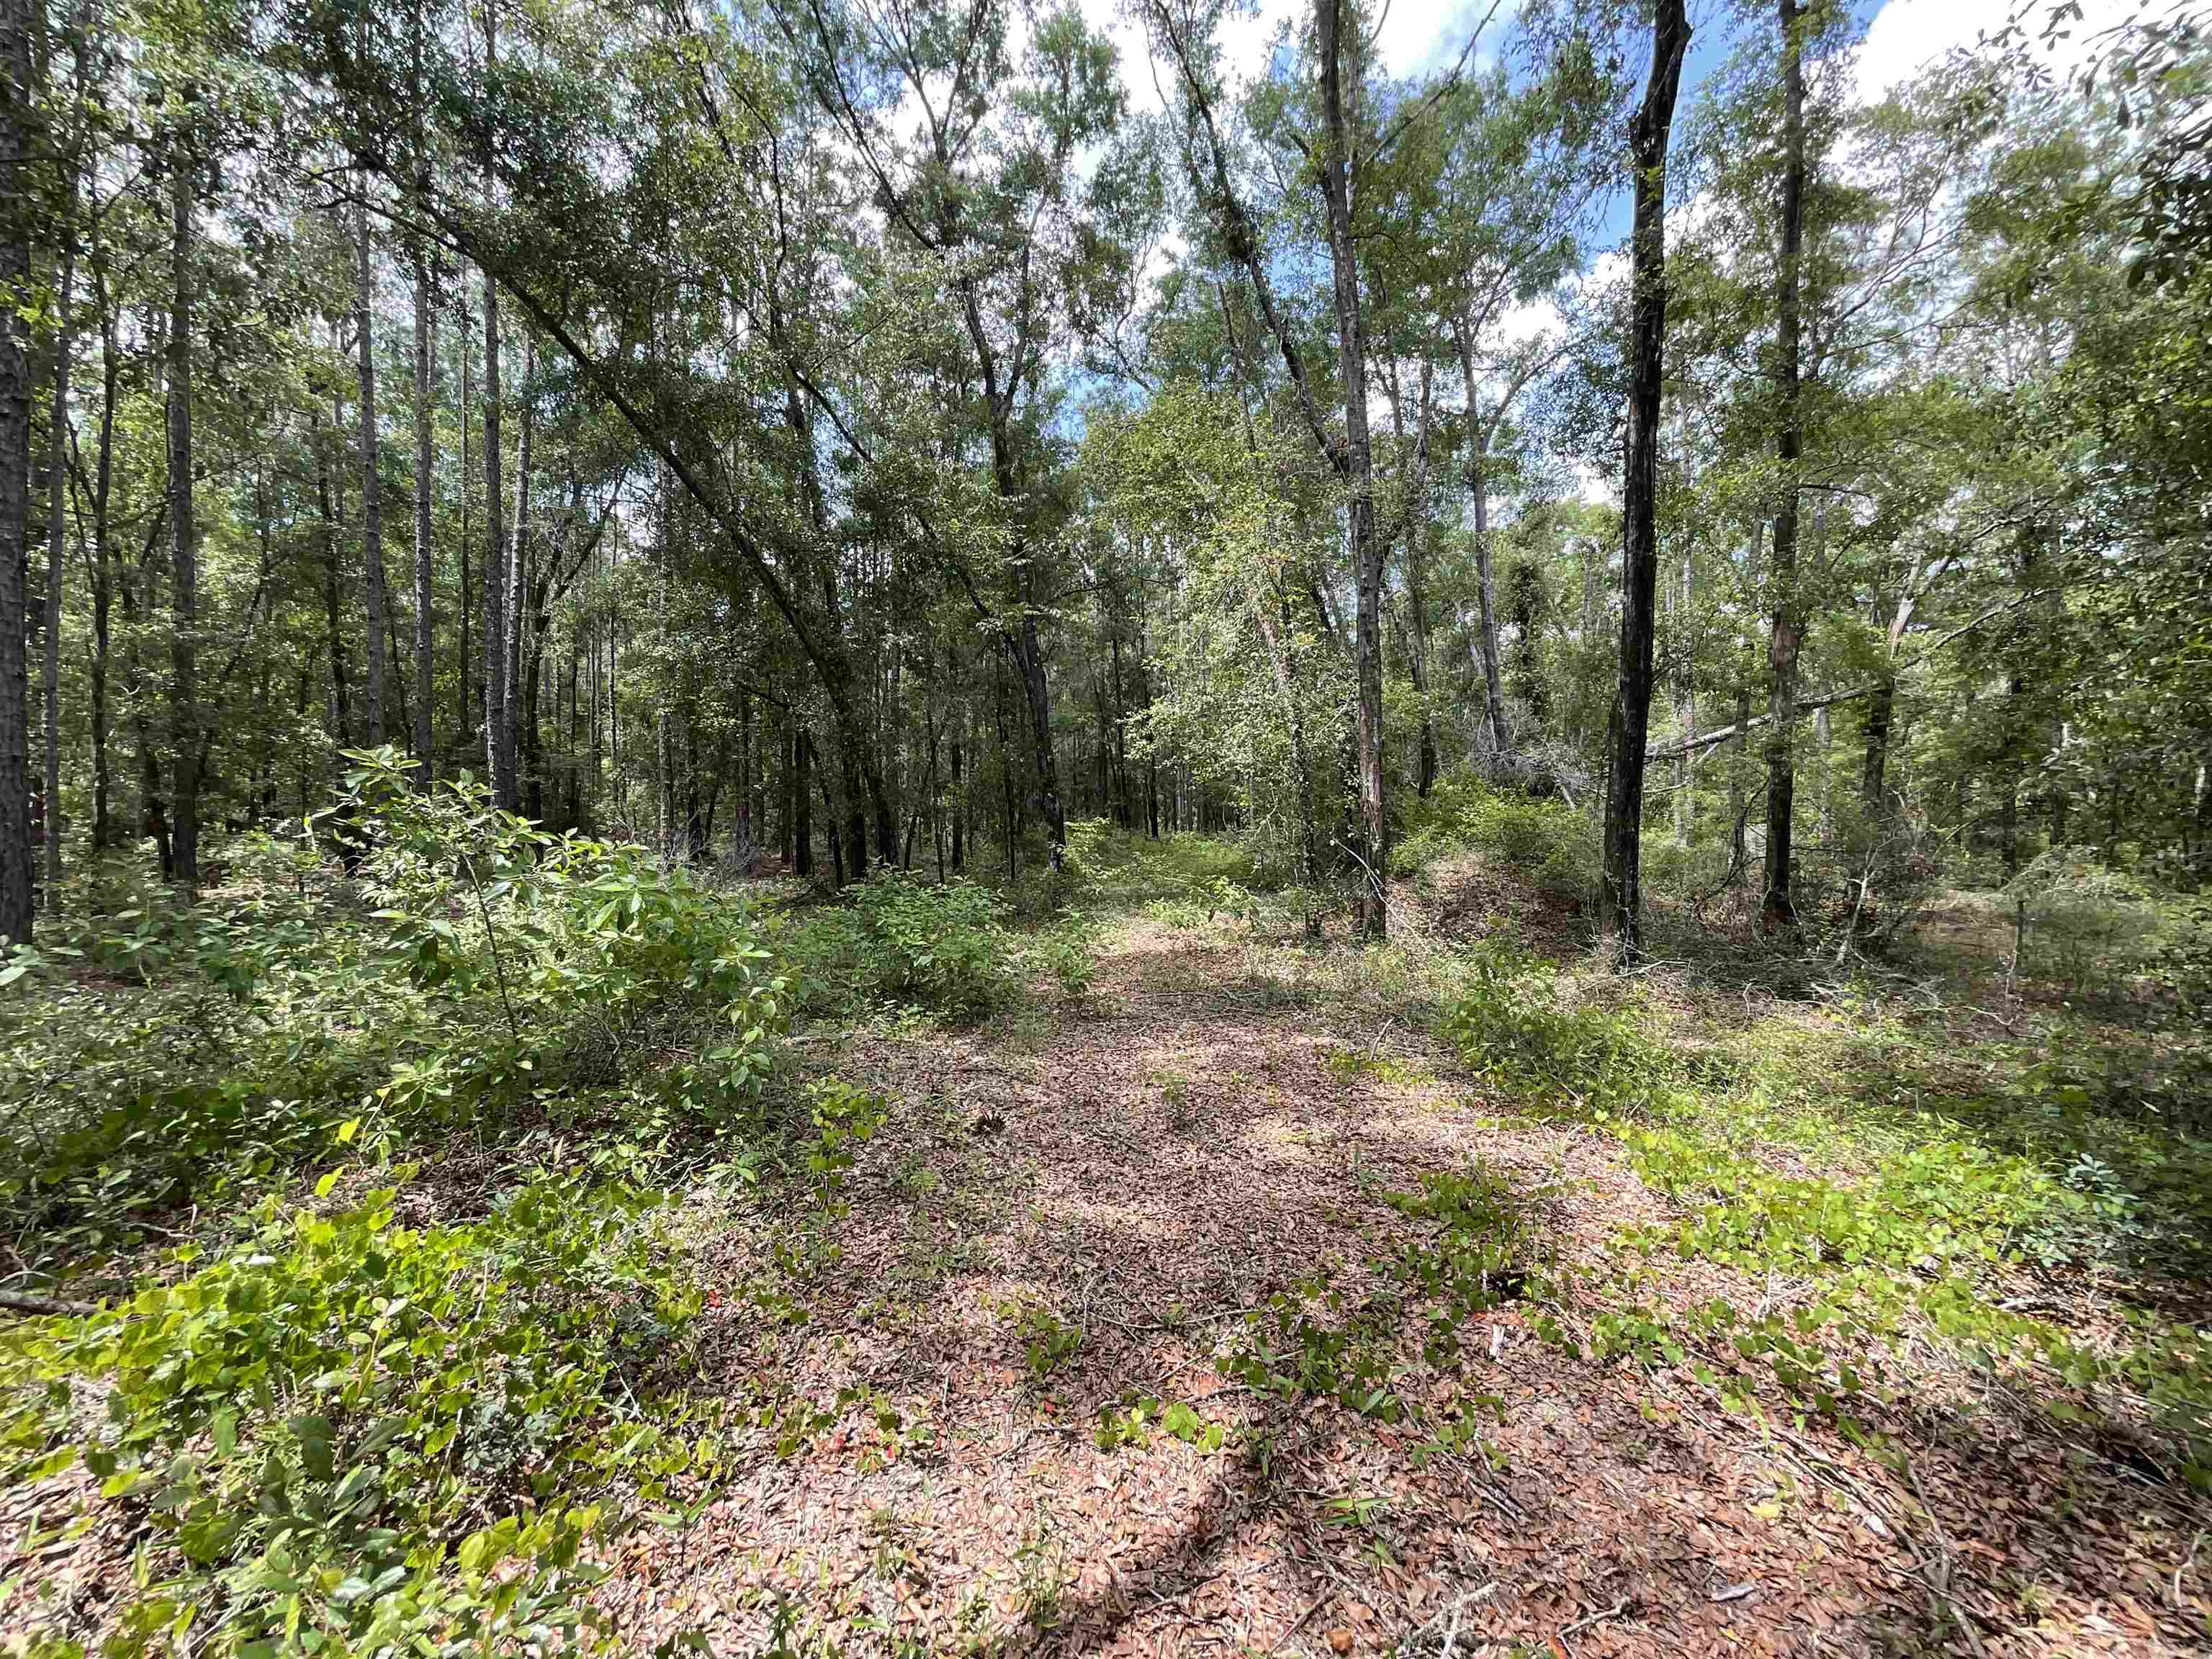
x=496, y=971
x=1509, y=1024
x=1546, y=842
x=904, y=940
x=1069, y=954
x=345, y=1428
x=1927, y=1206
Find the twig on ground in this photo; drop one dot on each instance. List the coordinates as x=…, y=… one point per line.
x=1613, y=1612
x=1939, y=1581
x=23, y=1302
x=1283, y=1641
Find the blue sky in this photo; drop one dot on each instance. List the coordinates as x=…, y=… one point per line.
x=1423, y=36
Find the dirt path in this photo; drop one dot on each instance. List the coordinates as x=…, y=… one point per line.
x=1077, y=1217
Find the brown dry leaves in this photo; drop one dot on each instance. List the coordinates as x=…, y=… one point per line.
x=1170, y=1158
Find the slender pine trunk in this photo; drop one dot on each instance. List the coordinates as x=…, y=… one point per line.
x=372, y=488
x=1620, y=897
x=1777, y=909
x=184, y=738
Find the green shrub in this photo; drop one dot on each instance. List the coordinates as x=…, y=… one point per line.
x=486, y=972
x=942, y=946
x=1926, y=1207
x=1069, y=953
x=901, y=940
x=346, y=1428
x=1546, y=842
x=1509, y=1024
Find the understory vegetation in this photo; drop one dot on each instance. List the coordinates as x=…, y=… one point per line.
x=358, y=1214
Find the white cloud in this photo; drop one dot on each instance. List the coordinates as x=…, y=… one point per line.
x=1417, y=37
x=1907, y=35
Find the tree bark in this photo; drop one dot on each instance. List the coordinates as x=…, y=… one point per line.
x=802, y=808
x=1880, y=711
x=102, y=573
x=494, y=613
x=1339, y=184
x=1620, y=896
x=465, y=713
x=1685, y=702
x=492, y=610
x=17, y=142
x=513, y=693
x=1776, y=907
x=426, y=418
x=372, y=486
x=333, y=621
x=50, y=670
x=425, y=552
x=1481, y=432
x=183, y=532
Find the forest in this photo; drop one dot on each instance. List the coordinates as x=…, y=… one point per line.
x=1267, y=827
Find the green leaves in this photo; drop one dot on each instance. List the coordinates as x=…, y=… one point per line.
x=311, y=1411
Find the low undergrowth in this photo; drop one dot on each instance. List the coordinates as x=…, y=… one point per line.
x=364, y=1168
x=349, y=1435
x=1318, y=1339
x=1545, y=843
x=1910, y=1226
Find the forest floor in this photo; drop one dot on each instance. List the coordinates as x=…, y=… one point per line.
x=1222, y=1308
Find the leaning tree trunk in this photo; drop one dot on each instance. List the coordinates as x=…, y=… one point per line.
x=1620, y=896
x=1338, y=184
x=1776, y=907
x=184, y=583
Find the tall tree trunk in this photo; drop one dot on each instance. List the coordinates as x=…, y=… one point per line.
x=1747, y=672
x=1880, y=712
x=1005, y=771
x=802, y=807
x=959, y=811
x=534, y=685
x=425, y=417
x=1417, y=583
x=1480, y=434
x=372, y=486
x=465, y=718
x=183, y=530
x=493, y=616
x=1685, y=704
x=425, y=552
x=1338, y=187
x=50, y=670
x=1776, y=907
x=572, y=810
x=333, y=616
x=18, y=140
x=513, y=694
x=1620, y=896
x=492, y=610
x=103, y=573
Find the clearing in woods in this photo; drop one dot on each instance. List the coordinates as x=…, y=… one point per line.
x=1117, y=1328
x=1198, y=1290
